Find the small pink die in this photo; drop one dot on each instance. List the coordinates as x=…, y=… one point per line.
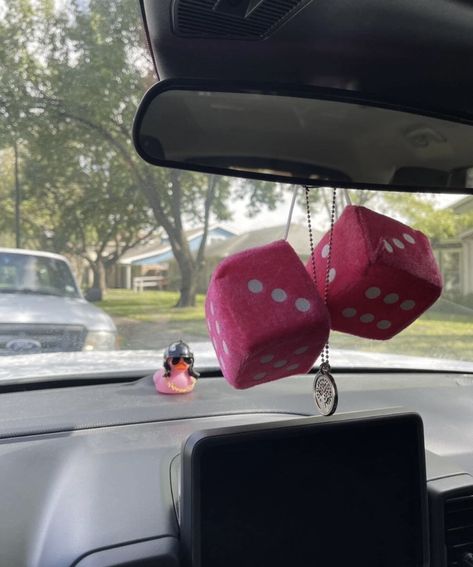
x=265, y=317
x=383, y=274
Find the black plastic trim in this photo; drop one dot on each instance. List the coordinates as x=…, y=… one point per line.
x=70, y=381
x=235, y=37
x=439, y=491
x=148, y=37
x=83, y=560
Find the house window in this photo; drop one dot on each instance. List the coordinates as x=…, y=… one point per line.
x=450, y=264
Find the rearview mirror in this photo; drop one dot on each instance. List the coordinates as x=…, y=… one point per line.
x=314, y=137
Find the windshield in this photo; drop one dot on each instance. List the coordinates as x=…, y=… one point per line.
x=25, y=273
x=143, y=241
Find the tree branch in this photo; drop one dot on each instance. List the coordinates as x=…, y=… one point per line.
x=144, y=181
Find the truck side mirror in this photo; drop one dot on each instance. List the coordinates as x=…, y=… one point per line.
x=93, y=294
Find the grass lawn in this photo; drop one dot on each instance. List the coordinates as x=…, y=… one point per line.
x=150, y=306
x=428, y=336
x=149, y=320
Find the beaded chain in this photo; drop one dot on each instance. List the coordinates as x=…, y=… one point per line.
x=325, y=354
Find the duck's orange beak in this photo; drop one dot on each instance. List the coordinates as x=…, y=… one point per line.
x=181, y=365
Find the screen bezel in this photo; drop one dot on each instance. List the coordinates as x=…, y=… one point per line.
x=190, y=502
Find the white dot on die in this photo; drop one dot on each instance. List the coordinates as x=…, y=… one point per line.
x=398, y=243
x=212, y=308
x=255, y=286
x=259, y=376
x=367, y=318
x=349, y=312
x=217, y=326
x=302, y=304
x=372, y=292
x=325, y=251
x=384, y=324
x=391, y=298
x=293, y=366
x=408, y=305
x=280, y=363
x=408, y=238
x=279, y=295
x=225, y=348
x=266, y=358
x=331, y=275
x=301, y=350
x=388, y=246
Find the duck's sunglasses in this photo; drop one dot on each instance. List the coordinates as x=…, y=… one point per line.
x=186, y=359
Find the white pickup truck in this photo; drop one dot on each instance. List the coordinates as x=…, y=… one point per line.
x=43, y=310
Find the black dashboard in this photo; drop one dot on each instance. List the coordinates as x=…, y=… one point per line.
x=88, y=474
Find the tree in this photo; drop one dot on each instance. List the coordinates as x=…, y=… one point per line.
x=83, y=201
x=425, y=214
x=87, y=79
x=195, y=196
x=320, y=202
x=7, y=181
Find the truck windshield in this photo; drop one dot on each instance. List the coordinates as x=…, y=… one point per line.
x=25, y=273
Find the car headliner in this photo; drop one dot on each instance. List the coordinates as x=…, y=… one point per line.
x=418, y=53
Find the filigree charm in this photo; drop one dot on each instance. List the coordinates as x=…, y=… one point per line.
x=325, y=390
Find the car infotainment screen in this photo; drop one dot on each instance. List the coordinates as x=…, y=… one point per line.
x=311, y=492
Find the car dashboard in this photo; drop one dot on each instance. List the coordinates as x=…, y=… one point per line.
x=90, y=474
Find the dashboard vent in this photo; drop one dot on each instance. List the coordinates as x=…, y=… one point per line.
x=232, y=19
x=458, y=528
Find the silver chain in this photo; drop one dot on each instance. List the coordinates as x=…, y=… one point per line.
x=325, y=354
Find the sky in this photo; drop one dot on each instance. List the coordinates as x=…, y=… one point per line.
x=242, y=223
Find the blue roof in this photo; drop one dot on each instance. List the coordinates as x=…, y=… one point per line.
x=166, y=254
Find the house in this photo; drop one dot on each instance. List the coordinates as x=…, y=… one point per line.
x=455, y=255
x=298, y=238
x=153, y=258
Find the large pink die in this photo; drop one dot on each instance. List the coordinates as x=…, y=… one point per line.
x=265, y=317
x=383, y=274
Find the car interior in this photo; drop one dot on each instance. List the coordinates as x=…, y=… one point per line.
x=104, y=473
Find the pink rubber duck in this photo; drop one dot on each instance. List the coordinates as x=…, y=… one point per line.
x=178, y=375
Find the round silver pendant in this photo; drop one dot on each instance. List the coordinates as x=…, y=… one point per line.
x=325, y=391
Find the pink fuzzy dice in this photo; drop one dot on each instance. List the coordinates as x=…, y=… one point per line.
x=265, y=316
x=383, y=274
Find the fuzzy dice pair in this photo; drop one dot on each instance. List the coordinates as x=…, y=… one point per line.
x=265, y=314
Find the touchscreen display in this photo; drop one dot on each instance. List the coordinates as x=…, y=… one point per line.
x=340, y=494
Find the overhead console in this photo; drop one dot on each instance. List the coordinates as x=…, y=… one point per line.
x=348, y=490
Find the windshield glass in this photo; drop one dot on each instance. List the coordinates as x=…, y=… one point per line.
x=25, y=273
x=143, y=241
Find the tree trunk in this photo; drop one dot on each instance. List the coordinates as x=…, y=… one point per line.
x=98, y=272
x=191, y=269
x=189, y=277
x=188, y=293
